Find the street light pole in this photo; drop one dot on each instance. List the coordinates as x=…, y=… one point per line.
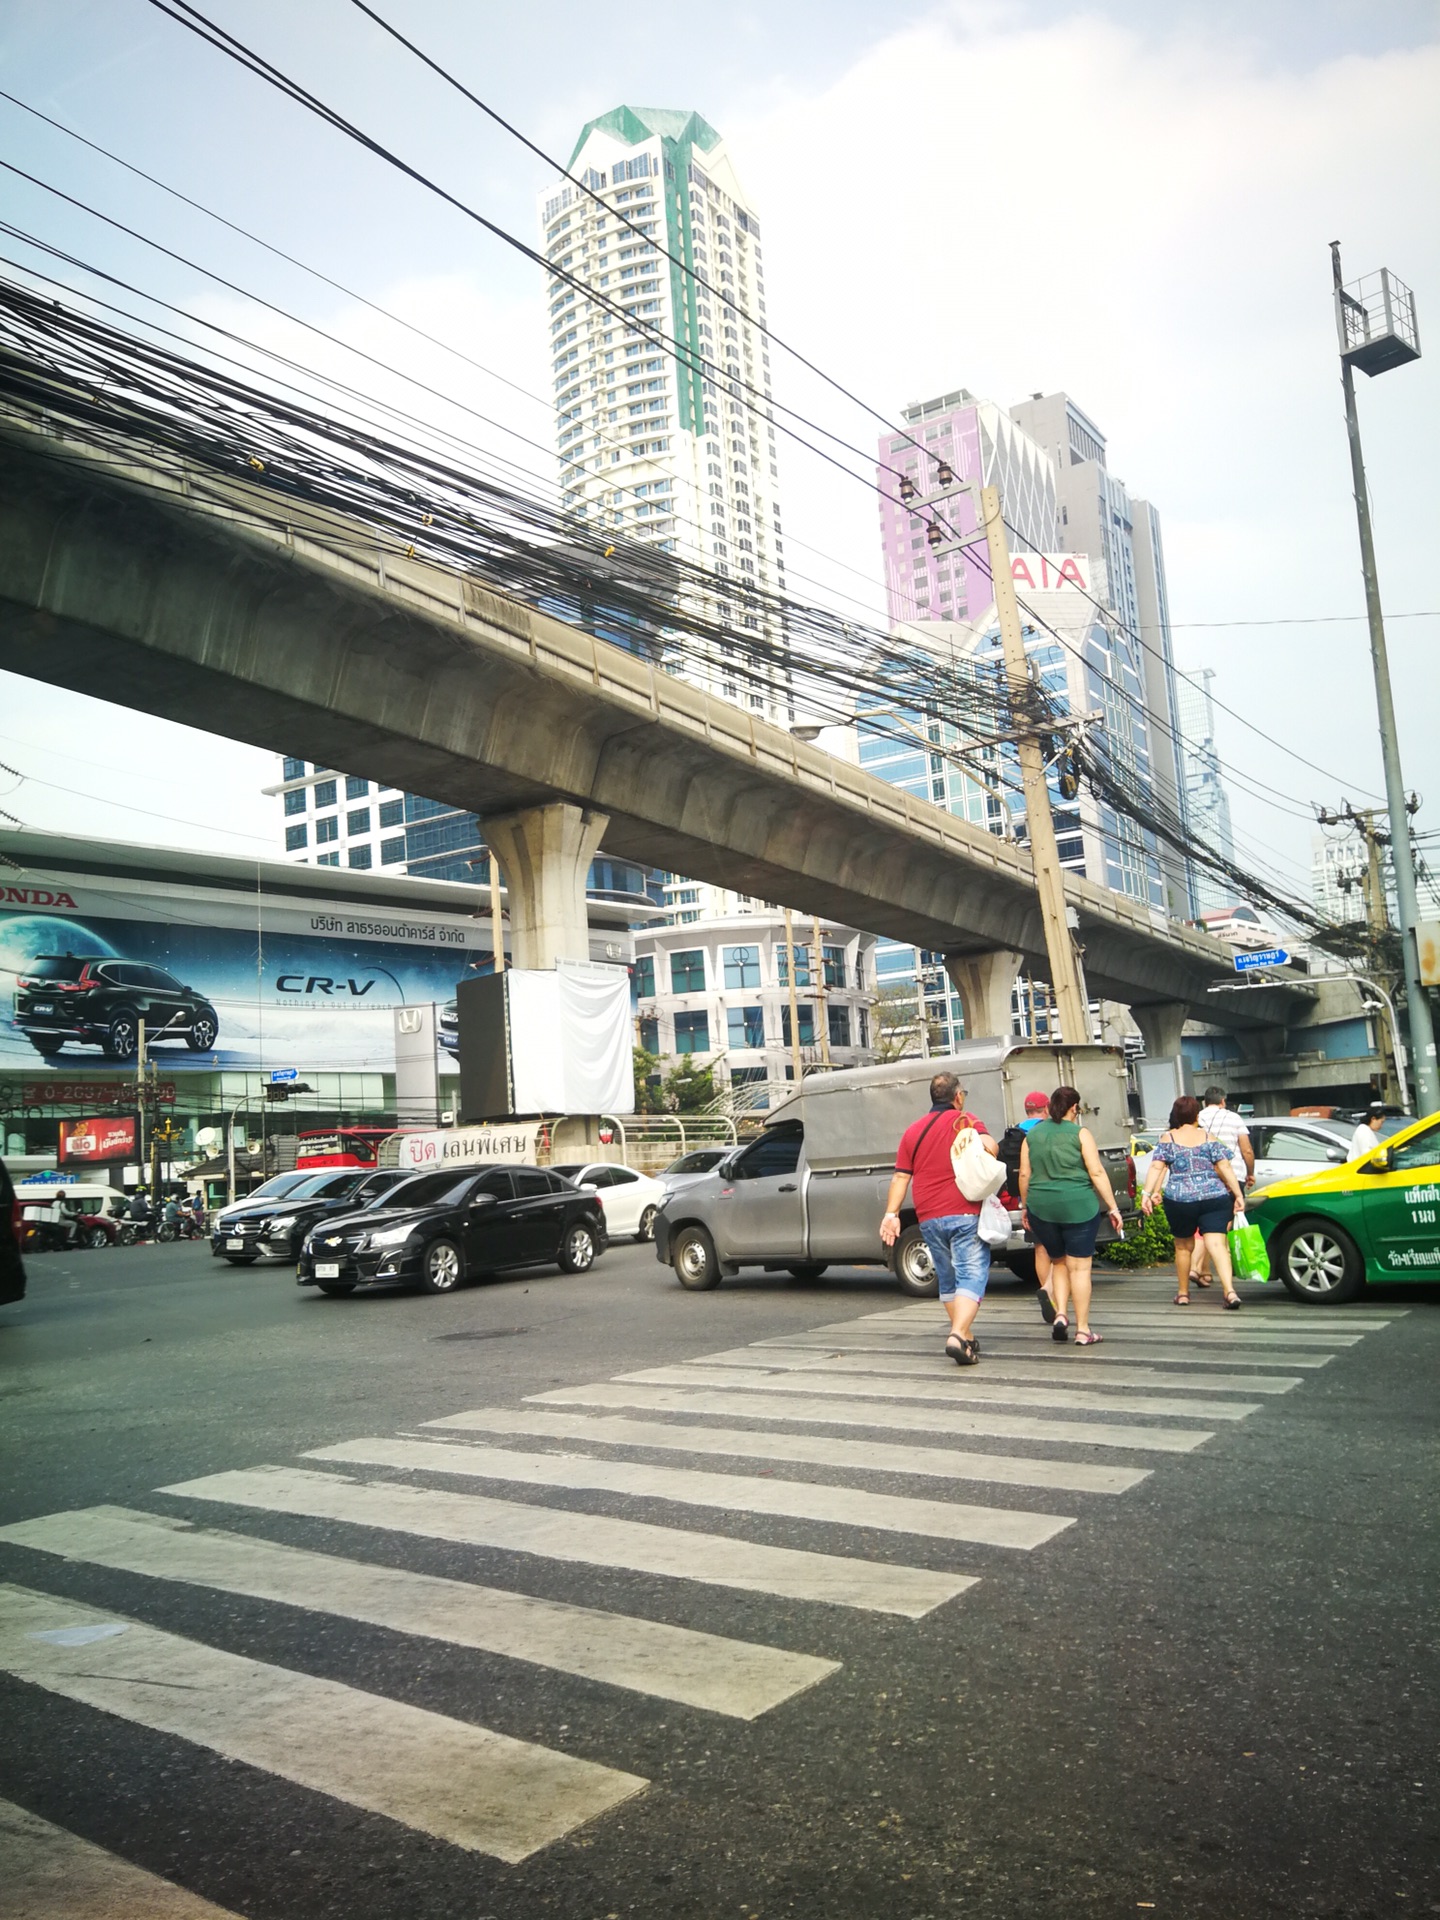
x=1422, y=1028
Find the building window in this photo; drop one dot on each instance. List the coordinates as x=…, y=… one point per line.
x=746, y=1026
x=360, y=857
x=325, y=794
x=294, y=769
x=392, y=813
x=807, y=1025
x=328, y=860
x=802, y=965
x=295, y=801
x=643, y=977
x=650, y=1036
x=687, y=972
x=752, y=1077
x=839, y=1026
x=392, y=852
x=355, y=789
x=742, y=967
x=358, y=820
x=326, y=829
x=295, y=838
x=692, y=1033
x=834, y=966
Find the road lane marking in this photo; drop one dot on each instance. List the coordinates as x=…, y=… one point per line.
x=863, y=1406
x=1117, y=1351
x=670, y=1663
x=823, y=1450
x=688, y=1486
x=54, y=1875
x=1193, y=1325
x=909, y=1376
x=558, y=1533
x=1041, y=1368
x=462, y=1783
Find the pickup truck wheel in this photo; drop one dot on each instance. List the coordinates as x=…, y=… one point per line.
x=812, y=1271
x=914, y=1268
x=692, y=1254
x=1319, y=1263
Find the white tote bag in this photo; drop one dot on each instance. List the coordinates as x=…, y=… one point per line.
x=994, y=1228
x=978, y=1174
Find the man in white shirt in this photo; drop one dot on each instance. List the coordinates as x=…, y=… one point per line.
x=1366, y=1136
x=1229, y=1129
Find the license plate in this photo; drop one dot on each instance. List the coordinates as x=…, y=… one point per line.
x=327, y=1269
x=234, y=1246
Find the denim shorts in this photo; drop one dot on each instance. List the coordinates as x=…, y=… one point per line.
x=962, y=1259
x=1062, y=1239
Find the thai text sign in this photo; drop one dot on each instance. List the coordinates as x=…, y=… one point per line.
x=89, y=1142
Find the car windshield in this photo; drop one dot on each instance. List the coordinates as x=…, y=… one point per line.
x=430, y=1190
x=281, y=1184
x=311, y=1186
x=52, y=966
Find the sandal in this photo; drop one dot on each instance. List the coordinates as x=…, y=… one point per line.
x=1182, y=1300
x=1061, y=1330
x=1047, y=1307
x=1232, y=1301
x=962, y=1351
x=1199, y=1280
x=1088, y=1339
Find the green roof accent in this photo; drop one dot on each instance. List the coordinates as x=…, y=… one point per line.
x=634, y=124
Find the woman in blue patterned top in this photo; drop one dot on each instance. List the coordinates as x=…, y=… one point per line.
x=1201, y=1195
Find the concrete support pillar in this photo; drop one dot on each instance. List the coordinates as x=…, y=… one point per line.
x=985, y=983
x=1162, y=1074
x=545, y=854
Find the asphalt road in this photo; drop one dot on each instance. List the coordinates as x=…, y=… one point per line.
x=1212, y=1692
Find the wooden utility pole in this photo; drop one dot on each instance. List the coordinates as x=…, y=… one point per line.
x=1378, y=925
x=497, y=925
x=1044, y=853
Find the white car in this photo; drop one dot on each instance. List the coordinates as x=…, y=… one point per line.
x=1290, y=1147
x=629, y=1199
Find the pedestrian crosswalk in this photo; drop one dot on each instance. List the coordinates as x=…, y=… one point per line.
x=828, y=1475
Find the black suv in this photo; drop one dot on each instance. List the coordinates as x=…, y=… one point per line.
x=100, y=1003
x=441, y=1228
x=278, y=1223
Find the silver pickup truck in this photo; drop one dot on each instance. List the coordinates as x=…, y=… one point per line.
x=810, y=1192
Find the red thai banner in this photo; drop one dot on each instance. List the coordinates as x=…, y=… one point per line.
x=88, y=1142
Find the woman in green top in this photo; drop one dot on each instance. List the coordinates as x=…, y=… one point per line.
x=1060, y=1177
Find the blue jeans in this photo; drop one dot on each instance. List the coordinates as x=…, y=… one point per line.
x=962, y=1259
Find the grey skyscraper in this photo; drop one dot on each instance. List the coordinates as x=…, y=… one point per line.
x=1206, y=798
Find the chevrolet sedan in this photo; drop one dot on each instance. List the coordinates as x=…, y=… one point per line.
x=437, y=1230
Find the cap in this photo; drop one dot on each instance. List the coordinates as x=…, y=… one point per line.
x=1037, y=1102
x=1376, y=1106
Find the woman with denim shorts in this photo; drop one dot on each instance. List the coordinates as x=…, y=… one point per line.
x=1201, y=1195
x=1065, y=1193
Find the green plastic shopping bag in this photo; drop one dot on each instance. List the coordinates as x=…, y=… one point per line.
x=1247, y=1250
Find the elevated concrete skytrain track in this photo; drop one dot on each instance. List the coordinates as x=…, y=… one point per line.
x=175, y=591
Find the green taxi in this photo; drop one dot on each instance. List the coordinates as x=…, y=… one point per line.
x=1375, y=1218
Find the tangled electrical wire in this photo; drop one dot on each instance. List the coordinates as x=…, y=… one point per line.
x=109, y=389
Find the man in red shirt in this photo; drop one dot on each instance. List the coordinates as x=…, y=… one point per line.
x=947, y=1219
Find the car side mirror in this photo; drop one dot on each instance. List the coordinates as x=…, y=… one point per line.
x=1379, y=1161
x=483, y=1200
x=1338, y=1155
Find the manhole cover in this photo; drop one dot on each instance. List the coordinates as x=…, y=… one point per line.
x=482, y=1333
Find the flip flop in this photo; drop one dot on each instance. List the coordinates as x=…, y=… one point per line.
x=1047, y=1307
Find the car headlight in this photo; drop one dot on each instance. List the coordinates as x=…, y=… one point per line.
x=280, y=1223
x=390, y=1236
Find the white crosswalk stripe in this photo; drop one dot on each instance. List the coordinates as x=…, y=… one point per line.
x=460, y=1782
x=54, y=1875
x=821, y=1450
x=672, y=1663
x=946, y=1383
x=856, y=1403
x=558, y=1533
x=731, y=1492
x=1164, y=1382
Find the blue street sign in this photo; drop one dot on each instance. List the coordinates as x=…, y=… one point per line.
x=277, y=1076
x=1271, y=957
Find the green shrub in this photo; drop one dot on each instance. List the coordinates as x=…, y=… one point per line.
x=1148, y=1243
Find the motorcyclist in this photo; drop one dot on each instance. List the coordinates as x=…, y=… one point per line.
x=170, y=1218
x=68, y=1215
x=140, y=1207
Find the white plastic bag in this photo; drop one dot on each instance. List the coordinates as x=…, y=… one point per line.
x=994, y=1228
x=978, y=1174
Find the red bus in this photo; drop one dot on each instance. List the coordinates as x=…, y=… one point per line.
x=341, y=1147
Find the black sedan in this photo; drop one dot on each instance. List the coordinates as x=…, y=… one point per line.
x=277, y=1224
x=439, y=1229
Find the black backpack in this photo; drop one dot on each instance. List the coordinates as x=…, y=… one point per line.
x=1011, y=1141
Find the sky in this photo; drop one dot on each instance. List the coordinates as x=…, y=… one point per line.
x=1129, y=202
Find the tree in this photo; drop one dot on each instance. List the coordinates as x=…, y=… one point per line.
x=649, y=1092
x=896, y=1026
x=689, y=1088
